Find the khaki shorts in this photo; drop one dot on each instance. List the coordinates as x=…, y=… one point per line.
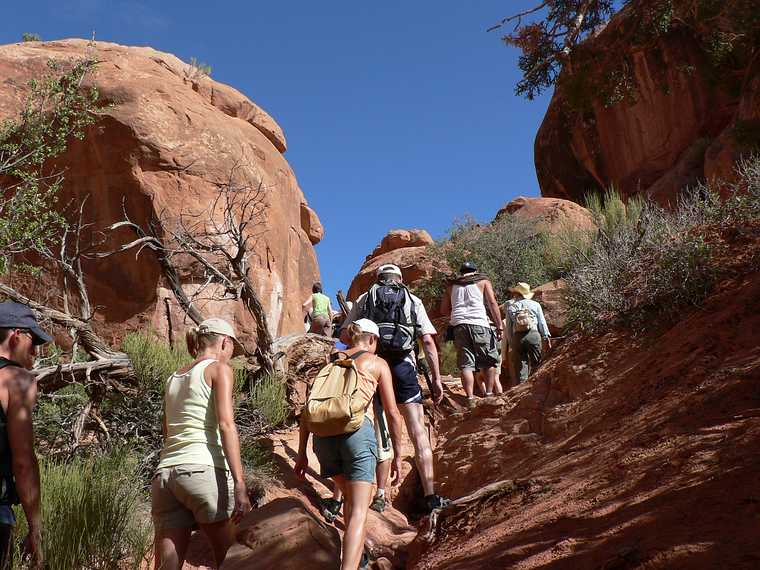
x=185, y=494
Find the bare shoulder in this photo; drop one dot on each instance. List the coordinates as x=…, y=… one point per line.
x=19, y=379
x=372, y=364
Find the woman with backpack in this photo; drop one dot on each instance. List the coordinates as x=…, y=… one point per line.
x=199, y=478
x=338, y=412
x=527, y=326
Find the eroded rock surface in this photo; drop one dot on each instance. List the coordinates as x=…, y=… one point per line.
x=166, y=137
x=406, y=248
x=679, y=117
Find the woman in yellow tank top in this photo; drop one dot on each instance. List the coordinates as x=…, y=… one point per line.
x=199, y=478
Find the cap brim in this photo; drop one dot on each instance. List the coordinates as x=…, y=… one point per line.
x=39, y=336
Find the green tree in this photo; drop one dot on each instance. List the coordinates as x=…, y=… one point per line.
x=55, y=110
x=546, y=35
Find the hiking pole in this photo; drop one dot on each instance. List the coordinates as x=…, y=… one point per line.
x=426, y=372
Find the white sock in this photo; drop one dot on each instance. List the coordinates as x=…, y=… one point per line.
x=380, y=493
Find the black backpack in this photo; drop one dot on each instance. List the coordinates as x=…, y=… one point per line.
x=390, y=306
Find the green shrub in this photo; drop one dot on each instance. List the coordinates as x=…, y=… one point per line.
x=268, y=396
x=30, y=37
x=153, y=360
x=90, y=513
x=448, y=359
x=647, y=262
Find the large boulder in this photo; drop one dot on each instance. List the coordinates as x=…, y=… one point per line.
x=406, y=248
x=667, y=116
x=166, y=137
x=551, y=215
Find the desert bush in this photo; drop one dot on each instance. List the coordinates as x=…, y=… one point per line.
x=448, y=359
x=91, y=513
x=30, y=37
x=508, y=250
x=268, y=396
x=647, y=262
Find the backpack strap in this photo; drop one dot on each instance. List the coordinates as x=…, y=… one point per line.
x=6, y=362
x=412, y=311
x=357, y=354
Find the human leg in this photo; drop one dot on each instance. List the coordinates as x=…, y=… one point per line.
x=423, y=454
x=493, y=384
x=520, y=359
x=171, y=548
x=358, y=495
x=532, y=343
x=468, y=382
x=221, y=535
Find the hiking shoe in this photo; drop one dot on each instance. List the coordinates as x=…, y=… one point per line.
x=331, y=509
x=433, y=502
x=378, y=504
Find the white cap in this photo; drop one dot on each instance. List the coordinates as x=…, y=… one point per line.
x=389, y=268
x=368, y=326
x=215, y=325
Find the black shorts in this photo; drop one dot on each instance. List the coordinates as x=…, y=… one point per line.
x=406, y=387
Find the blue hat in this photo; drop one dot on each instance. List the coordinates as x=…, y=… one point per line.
x=17, y=316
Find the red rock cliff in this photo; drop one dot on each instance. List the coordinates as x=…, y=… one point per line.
x=167, y=137
x=653, y=112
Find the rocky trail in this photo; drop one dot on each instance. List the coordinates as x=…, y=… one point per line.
x=621, y=452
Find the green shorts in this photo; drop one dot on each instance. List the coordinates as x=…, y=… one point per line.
x=182, y=495
x=476, y=346
x=352, y=455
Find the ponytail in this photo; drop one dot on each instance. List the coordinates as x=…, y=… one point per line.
x=191, y=339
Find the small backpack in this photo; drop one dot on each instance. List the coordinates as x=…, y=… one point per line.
x=334, y=405
x=523, y=318
x=390, y=305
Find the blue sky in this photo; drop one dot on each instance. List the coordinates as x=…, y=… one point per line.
x=398, y=114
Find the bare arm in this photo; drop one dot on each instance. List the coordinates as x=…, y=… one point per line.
x=492, y=306
x=302, y=460
x=22, y=395
x=395, y=424
x=222, y=381
x=446, y=303
x=306, y=305
x=431, y=355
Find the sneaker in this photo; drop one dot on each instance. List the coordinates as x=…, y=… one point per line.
x=433, y=502
x=331, y=509
x=378, y=504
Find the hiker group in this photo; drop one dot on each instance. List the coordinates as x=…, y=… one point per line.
x=356, y=409
x=356, y=404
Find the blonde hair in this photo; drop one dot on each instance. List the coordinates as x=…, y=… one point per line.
x=197, y=342
x=357, y=335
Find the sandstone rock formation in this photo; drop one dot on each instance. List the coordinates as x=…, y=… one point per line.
x=551, y=215
x=405, y=248
x=166, y=137
x=677, y=116
x=615, y=436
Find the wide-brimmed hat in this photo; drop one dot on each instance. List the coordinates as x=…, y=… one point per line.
x=17, y=316
x=215, y=325
x=523, y=289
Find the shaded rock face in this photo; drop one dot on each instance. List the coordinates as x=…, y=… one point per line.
x=678, y=125
x=406, y=248
x=551, y=215
x=167, y=137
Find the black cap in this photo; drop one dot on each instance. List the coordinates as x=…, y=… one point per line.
x=467, y=267
x=17, y=316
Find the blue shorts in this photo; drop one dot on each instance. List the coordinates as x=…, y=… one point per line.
x=353, y=455
x=406, y=387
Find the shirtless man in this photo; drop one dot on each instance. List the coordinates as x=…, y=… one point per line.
x=350, y=459
x=19, y=472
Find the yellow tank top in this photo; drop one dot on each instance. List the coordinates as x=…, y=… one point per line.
x=192, y=435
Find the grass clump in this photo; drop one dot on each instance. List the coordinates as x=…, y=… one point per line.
x=91, y=513
x=268, y=396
